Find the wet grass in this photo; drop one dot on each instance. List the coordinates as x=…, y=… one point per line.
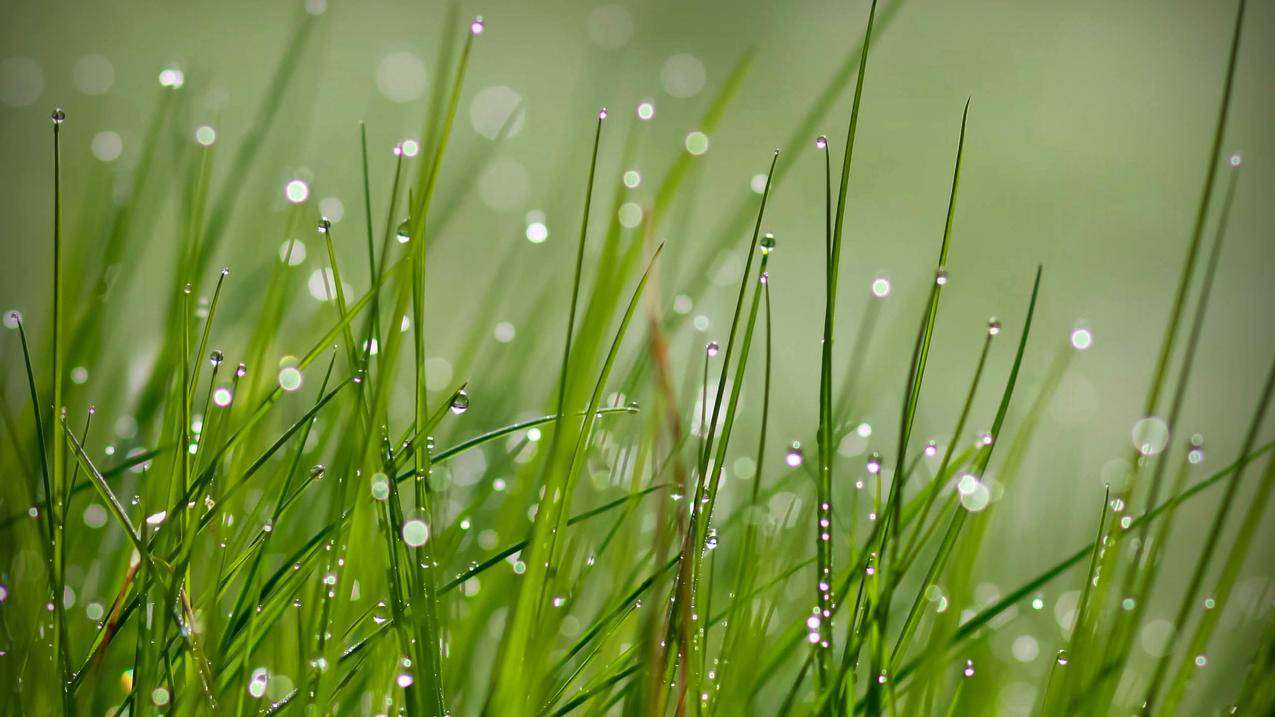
x=335, y=532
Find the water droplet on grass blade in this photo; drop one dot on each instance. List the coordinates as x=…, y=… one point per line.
x=460, y=402
x=58, y=116
x=257, y=683
x=767, y=243
x=404, y=231
x=874, y=463
x=476, y=27
x=711, y=349
x=821, y=142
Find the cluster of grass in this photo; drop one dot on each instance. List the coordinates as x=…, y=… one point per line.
x=242, y=576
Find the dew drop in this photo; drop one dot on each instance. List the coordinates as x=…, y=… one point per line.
x=767, y=243
x=215, y=358
x=257, y=684
x=58, y=116
x=602, y=113
x=794, y=457
x=325, y=225
x=475, y=28
x=940, y=277
x=712, y=349
x=874, y=463
x=993, y=326
x=821, y=142
x=969, y=668
x=404, y=231
x=1062, y=657
x=460, y=402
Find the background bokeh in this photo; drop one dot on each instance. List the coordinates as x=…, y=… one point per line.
x=1089, y=128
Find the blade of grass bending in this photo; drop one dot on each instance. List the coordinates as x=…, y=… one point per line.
x=120, y=468
x=39, y=439
x=116, y=507
x=1230, y=571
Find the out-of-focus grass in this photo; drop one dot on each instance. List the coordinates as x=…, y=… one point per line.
x=589, y=518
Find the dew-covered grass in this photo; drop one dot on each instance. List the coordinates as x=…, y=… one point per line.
x=299, y=512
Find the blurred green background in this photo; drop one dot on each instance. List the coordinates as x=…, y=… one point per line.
x=1089, y=128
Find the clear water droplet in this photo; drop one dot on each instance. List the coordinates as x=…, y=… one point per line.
x=821, y=142
x=58, y=116
x=325, y=225
x=712, y=349
x=404, y=231
x=767, y=243
x=216, y=357
x=1063, y=658
x=460, y=402
x=993, y=326
x=602, y=113
x=476, y=27
x=940, y=277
